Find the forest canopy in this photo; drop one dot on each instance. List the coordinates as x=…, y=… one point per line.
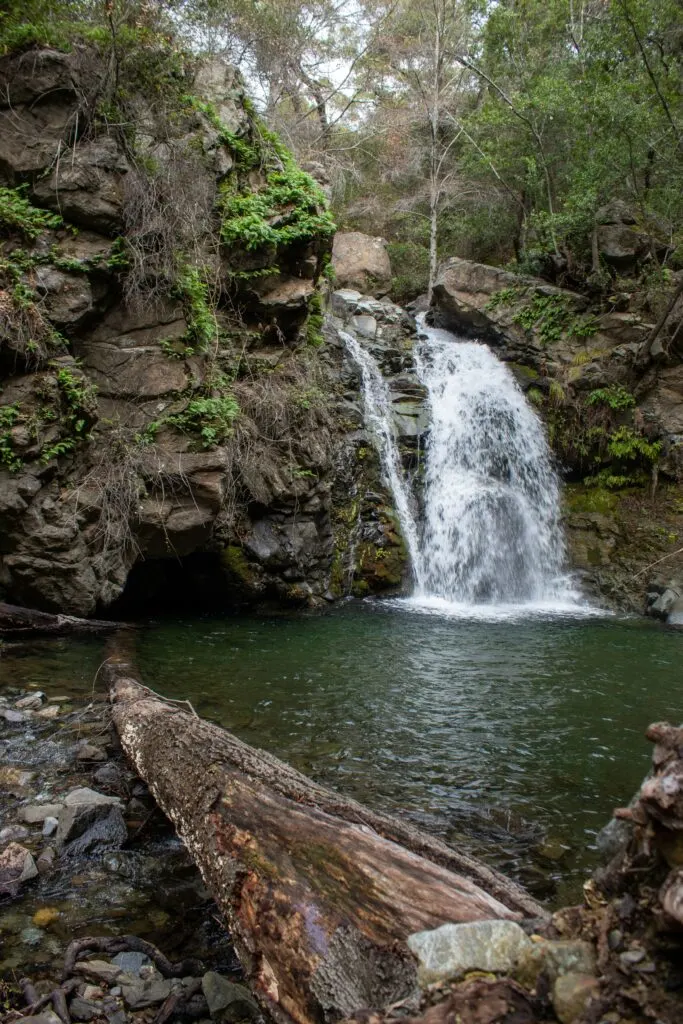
x=501, y=131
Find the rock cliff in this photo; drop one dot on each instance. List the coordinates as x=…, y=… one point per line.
x=172, y=421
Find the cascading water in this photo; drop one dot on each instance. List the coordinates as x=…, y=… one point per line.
x=491, y=533
x=491, y=530
x=377, y=403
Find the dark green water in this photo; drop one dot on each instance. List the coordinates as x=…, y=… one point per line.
x=515, y=738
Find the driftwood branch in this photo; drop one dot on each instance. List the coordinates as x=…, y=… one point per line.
x=319, y=892
x=16, y=621
x=658, y=327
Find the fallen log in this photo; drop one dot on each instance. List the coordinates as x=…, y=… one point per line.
x=16, y=621
x=320, y=893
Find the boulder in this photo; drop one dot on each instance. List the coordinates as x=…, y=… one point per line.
x=218, y=82
x=13, y=717
x=361, y=262
x=228, y=1001
x=139, y=993
x=131, y=962
x=90, y=797
x=46, y=1017
x=99, y=971
x=666, y=602
x=620, y=242
x=13, y=834
x=16, y=866
x=84, y=1009
x=67, y=297
x=90, y=821
x=31, y=702
x=86, y=186
x=454, y=949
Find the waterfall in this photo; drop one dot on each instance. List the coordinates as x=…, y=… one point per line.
x=491, y=532
x=377, y=411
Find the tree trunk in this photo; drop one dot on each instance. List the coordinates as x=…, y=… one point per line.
x=320, y=893
x=15, y=621
x=646, y=347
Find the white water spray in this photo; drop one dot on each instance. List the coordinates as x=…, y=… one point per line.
x=491, y=536
x=491, y=533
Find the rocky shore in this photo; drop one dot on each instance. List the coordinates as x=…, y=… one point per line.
x=98, y=897
x=105, y=918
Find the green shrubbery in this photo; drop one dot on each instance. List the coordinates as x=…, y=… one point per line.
x=19, y=215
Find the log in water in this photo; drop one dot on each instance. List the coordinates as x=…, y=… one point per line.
x=320, y=893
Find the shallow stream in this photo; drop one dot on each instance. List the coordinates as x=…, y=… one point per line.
x=515, y=737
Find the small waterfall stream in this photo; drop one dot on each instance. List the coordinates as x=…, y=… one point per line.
x=491, y=533
x=377, y=410
x=492, y=499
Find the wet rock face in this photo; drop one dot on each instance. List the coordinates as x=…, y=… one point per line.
x=370, y=555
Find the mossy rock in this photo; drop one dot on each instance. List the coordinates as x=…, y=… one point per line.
x=237, y=567
x=381, y=568
x=579, y=498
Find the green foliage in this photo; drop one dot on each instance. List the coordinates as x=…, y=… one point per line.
x=616, y=397
x=288, y=209
x=209, y=419
x=9, y=415
x=605, y=479
x=77, y=406
x=314, y=321
x=550, y=316
x=118, y=258
x=410, y=270
x=504, y=297
x=18, y=214
x=547, y=315
x=628, y=446
x=202, y=327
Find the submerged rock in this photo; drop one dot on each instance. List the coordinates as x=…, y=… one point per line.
x=31, y=702
x=453, y=949
x=131, y=962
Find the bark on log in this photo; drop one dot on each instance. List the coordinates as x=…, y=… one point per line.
x=16, y=621
x=319, y=892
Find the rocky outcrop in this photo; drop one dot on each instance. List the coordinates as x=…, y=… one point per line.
x=361, y=263
x=370, y=554
x=536, y=324
x=164, y=406
x=620, y=242
x=614, y=420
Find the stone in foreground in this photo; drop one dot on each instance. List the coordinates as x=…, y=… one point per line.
x=454, y=949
